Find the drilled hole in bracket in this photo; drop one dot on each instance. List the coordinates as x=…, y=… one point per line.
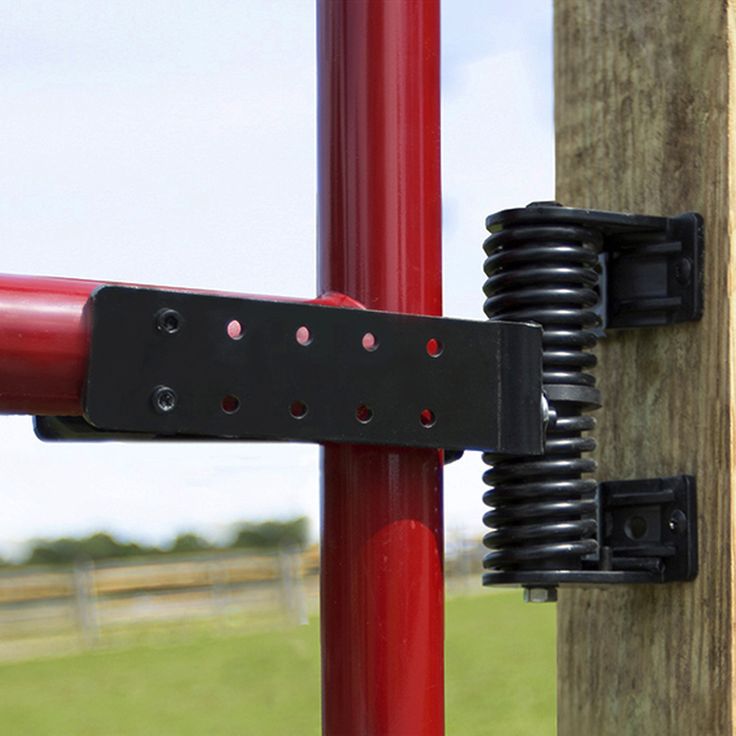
x=434, y=347
x=364, y=414
x=636, y=527
x=230, y=404
x=369, y=342
x=303, y=335
x=298, y=409
x=235, y=330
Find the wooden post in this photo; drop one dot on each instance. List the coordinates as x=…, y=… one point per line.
x=644, y=104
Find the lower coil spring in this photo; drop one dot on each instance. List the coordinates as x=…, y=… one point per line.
x=542, y=513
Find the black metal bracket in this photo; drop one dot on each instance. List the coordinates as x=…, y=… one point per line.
x=176, y=364
x=577, y=272
x=647, y=533
x=651, y=267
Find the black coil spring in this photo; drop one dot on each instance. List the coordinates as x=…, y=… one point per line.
x=542, y=511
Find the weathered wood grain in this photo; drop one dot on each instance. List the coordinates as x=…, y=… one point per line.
x=644, y=108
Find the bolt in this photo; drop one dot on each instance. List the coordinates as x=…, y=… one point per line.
x=545, y=411
x=168, y=321
x=164, y=399
x=540, y=595
x=677, y=522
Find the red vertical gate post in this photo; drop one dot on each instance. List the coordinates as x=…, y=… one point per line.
x=380, y=243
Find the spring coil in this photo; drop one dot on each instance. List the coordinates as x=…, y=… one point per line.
x=542, y=511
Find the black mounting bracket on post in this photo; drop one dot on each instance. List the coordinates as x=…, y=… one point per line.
x=651, y=268
x=172, y=364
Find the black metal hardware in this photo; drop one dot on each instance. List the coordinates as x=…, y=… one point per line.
x=243, y=368
x=651, y=267
x=574, y=272
x=647, y=533
x=177, y=365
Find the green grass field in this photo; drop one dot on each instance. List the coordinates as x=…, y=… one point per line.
x=500, y=680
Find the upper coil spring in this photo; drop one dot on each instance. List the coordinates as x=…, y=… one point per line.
x=547, y=274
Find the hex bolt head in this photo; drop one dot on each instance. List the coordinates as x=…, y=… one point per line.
x=164, y=399
x=168, y=321
x=540, y=595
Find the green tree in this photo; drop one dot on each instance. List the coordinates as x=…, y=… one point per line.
x=189, y=542
x=99, y=546
x=273, y=534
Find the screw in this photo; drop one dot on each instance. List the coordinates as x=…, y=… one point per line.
x=677, y=522
x=168, y=321
x=164, y=399
x=540, y=595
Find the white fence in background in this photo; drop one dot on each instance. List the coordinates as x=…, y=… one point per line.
x=80, y=605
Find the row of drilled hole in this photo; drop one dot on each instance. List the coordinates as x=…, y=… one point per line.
x=298, y=409
x=303, y=336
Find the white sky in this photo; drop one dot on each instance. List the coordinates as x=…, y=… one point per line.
x=174, y=143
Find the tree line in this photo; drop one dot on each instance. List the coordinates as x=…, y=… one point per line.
x=262, y=536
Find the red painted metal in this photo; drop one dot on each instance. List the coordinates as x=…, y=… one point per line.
x=379, y=242
x=44, y=342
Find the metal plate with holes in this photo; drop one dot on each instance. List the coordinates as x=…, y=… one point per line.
x=176, y=363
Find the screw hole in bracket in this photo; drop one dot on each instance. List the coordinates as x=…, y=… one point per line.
x=230, y=404
x=427, y=418
x=434, y=347
x=303, y=335
x=636, y=527
x=235, y=330
x=364, y=414
x=369, y=342
x=298, y=409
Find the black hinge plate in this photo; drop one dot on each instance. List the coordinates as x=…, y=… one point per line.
x=650, y=525
x=651, y=267
x=483, y=389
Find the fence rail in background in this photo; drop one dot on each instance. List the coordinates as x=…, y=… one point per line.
x=43, y=609
x=85, y=600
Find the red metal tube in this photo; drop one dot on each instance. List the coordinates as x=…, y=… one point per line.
x=44, y=343
x=379, y=242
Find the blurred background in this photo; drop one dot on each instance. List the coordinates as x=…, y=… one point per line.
x=173, y=589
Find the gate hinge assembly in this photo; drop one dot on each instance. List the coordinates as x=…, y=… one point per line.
x=577, y=272
x=173, y=364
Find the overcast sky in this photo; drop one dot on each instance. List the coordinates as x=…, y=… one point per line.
x=174, y=143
